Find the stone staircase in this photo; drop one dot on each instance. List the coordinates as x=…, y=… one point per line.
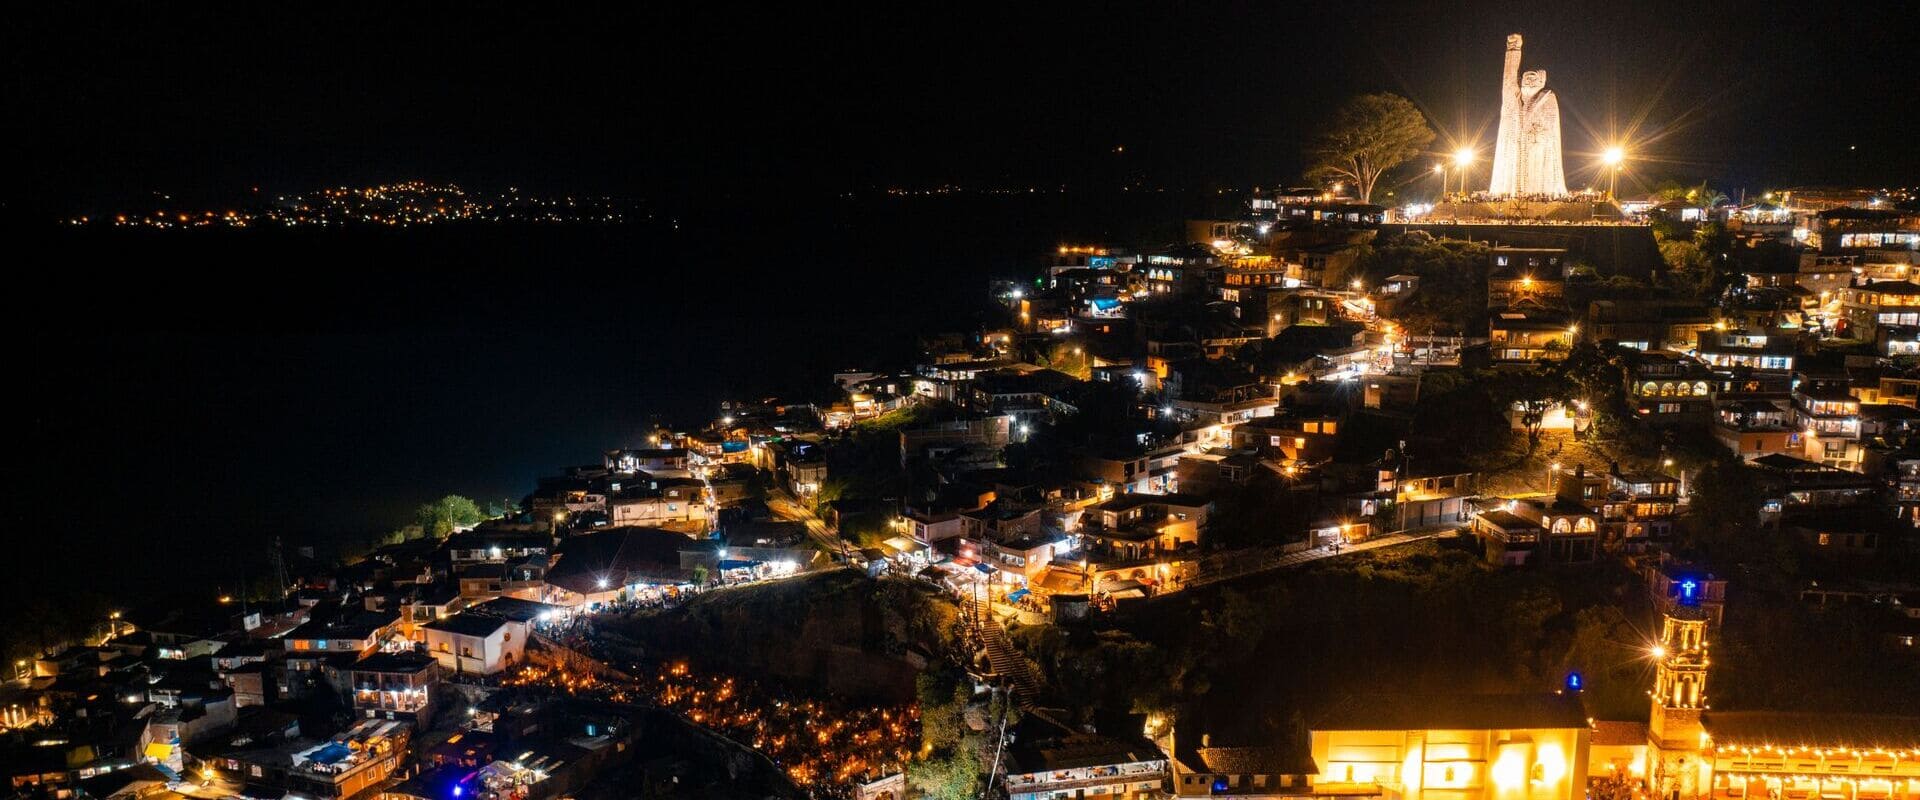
x=1006, y=662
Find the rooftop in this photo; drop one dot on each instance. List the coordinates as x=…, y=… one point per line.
x=467, y=623
x=1452, y=711
x=1810, y=729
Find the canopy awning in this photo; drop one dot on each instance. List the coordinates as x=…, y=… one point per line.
x=734, y=563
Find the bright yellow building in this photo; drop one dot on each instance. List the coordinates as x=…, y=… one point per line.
x=1453, y=747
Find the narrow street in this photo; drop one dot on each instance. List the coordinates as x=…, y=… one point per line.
x=787, y=507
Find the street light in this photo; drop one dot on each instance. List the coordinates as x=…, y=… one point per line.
x=1441, y=170
x=1613, y=157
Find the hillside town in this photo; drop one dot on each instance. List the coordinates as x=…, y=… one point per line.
x=1703, y=405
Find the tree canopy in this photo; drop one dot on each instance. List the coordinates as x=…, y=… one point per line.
x=1369, y=135
x=440, y=517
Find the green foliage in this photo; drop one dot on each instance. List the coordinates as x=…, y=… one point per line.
x=1724, y=525
x=865, y=463
x=1369, y=135
x=783, y=628
x=1261, y=513
x=440, y=517
x=954, y=756
x=1693, y=269
x=949, y=775
x=1829, y=671
x=866, y=529
x=1456, y=402
x=1068, y=357
x=1452, y=297
x=1532, y=391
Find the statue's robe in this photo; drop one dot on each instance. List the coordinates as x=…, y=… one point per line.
x=1541, y=171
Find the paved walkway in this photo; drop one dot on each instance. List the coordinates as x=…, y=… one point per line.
x=1243, y=563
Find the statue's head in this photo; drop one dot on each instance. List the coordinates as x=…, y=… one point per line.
x=1532, y=81
x=1513, y=41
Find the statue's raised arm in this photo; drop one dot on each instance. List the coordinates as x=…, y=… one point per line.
x=1506, y=144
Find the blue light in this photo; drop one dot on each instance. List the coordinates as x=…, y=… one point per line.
x=1219, y=784
x=458, y=790
x=1688, y=588
x=1574, y=682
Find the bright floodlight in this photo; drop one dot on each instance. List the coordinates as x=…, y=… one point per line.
x=1463, y=156
x=1613, y=156
x=1439, y=168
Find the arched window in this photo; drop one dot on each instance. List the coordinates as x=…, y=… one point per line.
x=1585, y=525
x=1700, y=388
x=1649, y=389
x=1560, y=525
x=1666, y=390
x=1683, y=390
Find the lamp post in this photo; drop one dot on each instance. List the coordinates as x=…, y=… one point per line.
x=1441, y=170
x=1613, y=157
x=1462, y=158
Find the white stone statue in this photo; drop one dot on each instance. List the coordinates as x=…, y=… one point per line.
x=1526, y=158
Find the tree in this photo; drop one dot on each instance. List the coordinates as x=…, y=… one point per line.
x=1532, y=392
x=1369, y=135
x=439, y=518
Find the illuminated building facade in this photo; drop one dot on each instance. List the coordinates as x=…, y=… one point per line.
x=1459, y=747
x=395, y=686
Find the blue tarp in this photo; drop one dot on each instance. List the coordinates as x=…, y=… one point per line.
x=985, y=569
x=1105, y=303
x=733, y=447
x=1016, y=594
x=333, y=753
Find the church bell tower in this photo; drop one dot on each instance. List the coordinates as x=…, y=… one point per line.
x=1675, y=734
x=1680, y=680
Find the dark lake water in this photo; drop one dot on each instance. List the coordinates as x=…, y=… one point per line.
x=188, y=394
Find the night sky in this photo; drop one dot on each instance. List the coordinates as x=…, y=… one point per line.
x=702, y=98
x=187, y=395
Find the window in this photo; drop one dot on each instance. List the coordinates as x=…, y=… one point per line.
x=1826, y=539
x=466, y=652
x=1328, y=428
